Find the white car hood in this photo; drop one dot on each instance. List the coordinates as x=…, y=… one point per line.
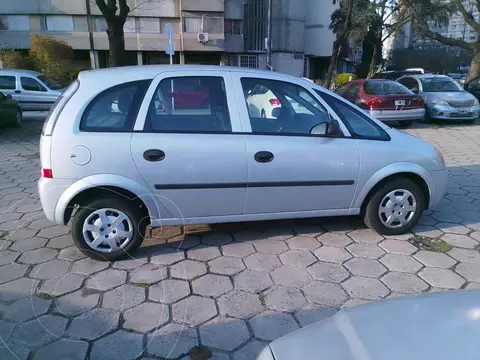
x=438, y=326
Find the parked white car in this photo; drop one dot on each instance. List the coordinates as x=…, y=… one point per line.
x=261, y=102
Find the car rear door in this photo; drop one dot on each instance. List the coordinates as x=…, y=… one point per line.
x=8, y=85
x=192, y=157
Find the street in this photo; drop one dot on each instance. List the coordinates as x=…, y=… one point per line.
x=231, y=288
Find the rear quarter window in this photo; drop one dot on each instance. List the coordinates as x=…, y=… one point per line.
x=115, y=109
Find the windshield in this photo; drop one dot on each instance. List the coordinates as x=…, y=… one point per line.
x=52, y=84
x=384, y=88
x=439, y=84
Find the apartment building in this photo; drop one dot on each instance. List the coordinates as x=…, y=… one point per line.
x=231, y=32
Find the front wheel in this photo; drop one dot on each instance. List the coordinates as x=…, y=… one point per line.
x=18, y=118
x=395, y=207
x=108, y=229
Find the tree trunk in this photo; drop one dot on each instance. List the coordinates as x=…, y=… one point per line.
x=116, y=43
x=373, y=62
x=333, y=64
x=474, y=70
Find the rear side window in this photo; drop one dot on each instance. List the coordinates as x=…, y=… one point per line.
x=7, y=82
x=30, y=84
x=115, y=109
x=384, y=88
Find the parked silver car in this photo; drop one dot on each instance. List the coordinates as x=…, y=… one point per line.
x=31, y=89
x=127, y=147
x=445, y=99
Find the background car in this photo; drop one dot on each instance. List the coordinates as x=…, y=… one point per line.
x=395, y=74
x=445, y=99
x=31, y=89
x=10, y=111
x=261, y=102
x=473, y=87
x=386, y=100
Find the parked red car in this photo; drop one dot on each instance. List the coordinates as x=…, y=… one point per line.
x=189, y=93
x=386, y=100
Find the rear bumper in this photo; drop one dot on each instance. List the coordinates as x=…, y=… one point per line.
x=50, y=191
x=398, y=115
x=451, y=113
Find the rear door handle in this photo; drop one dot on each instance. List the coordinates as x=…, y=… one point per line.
x=264, y=156
x=18, y=92
x=154, y=155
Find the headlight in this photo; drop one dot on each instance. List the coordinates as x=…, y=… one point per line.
x=437, y=101
x=476, y=102
x=439, y=154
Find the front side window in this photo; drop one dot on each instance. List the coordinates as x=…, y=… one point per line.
x=52, y=84
x=189, y=104
x=409, y=83
x=278, y=108
x=440, y=84
x=7, y=82
x=30, y=84
x=384, y=88
x=359, y=125
x=115, y=109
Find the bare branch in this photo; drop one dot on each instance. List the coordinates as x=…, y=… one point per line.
x=144, y=2
x=445, y=40
x=467, y=16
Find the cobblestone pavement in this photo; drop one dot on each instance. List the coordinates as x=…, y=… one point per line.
x=231, y=289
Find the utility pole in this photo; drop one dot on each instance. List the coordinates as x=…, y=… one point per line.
x=269, y=35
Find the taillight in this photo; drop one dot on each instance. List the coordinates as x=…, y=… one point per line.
x=418, y=100
x=47, y=173
x=375, y=103
x=274, y=101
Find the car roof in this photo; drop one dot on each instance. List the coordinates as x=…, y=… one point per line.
x=19, y=72
x=426, y=76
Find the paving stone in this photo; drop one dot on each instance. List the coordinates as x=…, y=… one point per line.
x=167, y=256
x=328, y=272
x=238, y=249
x=212, y=285
x=12, y=271
x=303, y=243
x=60, y=242
x=169, y=291
x=54, y=231
x=471, y=272
x=26, y=309
x=20, y=233
x=71, y=254
x=62, y=349
x=216, y=239
x=365, y=267
x=325, y=294
x=203, y=253
x=4, y=244
x=265, y=262
x=434, y=259
x=194, y=310
x=284, y=299
x=297, y=258
x=368, y=251
x=277, y=233
x=224, y=333
x=444, y=216
x=172, y=341
x=188, y=242
x=188, y=269
x=17, y=289
x=309, y=230
x=28, y=244
x=239, y=304
x=404, y=283
x=146, y=317
x=50, y=269
x=40, y=331
x=8, y=257
x=291, y=276
x=365, y=236
x=398, y=247
x=453, y=228
x=354, y=302
x=246, y=236
x=401, y=237
x=106, y=280
x=427, y=231
x=216, y=355
x=62, y=285
x=130, y=264
x=441, y=278
x=94, y=325
x=271, y=325
x=335, y=239
x=365, y=288
x=121, y=345
x=77, y=302
x=123, y=297
x=148, y=274
x=40, y=224
x=308, y=316
x=252, y=281
x=401, y=263
x=226, y=265
x=268, y=246
x=332, y=254
x=250, y=350
x=473, y=286
x=464, y=255
x=6, y=329
x=460, y=241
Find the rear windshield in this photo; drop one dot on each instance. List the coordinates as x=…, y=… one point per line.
x=384, y=88
x=52, y=84
x=439, y=84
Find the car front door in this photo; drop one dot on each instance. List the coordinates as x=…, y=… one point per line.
x=192, y=156
x=34, y=95
x=289, y=169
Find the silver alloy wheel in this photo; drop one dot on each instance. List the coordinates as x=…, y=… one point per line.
x=397, y=208
x=107, y=230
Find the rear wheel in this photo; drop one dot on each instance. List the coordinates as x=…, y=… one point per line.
x=18, y=118
x=108, y=229
x=428, y=119
x=395, y=207
x=404, y=124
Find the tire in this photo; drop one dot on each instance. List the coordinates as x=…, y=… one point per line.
x=428, y=119
x=263, y=114
x=405, y=124
x=18, y=118
x=376, y=221
x=87, y=212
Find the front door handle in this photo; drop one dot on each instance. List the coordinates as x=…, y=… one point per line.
x=264, y=156
x=154, y=155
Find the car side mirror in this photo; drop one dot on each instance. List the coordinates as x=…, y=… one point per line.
x=276, y=112
x=8, y=96
x=333, y=128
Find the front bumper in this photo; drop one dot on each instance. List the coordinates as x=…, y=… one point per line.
x=398, y=115
x=440, y=179
x=444, y=112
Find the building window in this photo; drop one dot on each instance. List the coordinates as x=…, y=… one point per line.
x=99, y=24
x=15, y=22
x=149, y=25
x=233, y=27
x=59, y=23
x=130, y=26
x=208, y=24
x=246, y=61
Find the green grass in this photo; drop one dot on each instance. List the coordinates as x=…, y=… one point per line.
x=142, y=285
x=441, y=246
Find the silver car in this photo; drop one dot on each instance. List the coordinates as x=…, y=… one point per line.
x=445, y=99
x=124, y=148
x=31, y=89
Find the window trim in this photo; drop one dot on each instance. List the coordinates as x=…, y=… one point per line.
x=142, y=87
